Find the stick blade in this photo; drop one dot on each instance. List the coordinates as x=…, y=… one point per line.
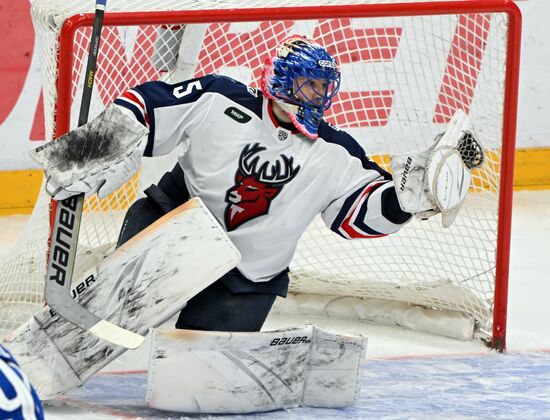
x=117, y=335
x=71, y=311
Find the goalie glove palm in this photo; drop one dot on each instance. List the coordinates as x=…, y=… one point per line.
x=436, y=180
x=448, y=181
x=97, y=157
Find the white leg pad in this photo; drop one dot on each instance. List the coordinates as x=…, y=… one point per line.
x=139, y=286
x=222, y=372
x=333, y=375
x=48, y=365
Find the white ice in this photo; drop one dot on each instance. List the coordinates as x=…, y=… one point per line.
x=407, y=374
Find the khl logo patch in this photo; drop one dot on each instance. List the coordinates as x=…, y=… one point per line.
x=283, y=135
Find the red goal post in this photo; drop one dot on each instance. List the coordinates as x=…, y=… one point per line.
x=401, y=78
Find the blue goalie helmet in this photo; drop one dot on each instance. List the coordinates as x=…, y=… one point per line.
x=303, y=78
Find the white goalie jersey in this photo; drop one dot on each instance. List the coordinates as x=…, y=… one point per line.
x=263, y=182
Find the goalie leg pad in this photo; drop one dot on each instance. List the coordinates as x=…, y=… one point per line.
x=253, y=372
x=139, y=286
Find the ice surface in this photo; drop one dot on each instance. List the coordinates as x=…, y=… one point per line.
x=407, y=374
x=515, y=386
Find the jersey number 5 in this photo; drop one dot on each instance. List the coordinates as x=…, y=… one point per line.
x=180, y=93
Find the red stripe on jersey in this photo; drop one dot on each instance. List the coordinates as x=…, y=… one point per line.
x=352, y=232
x=136, y=100
x=129, y=95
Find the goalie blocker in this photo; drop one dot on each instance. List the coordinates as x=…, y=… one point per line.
x=436, y=180
x=253, y=372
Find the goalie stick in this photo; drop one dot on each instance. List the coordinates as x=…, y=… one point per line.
x=66, y=227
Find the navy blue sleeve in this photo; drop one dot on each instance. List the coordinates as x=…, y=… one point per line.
x=335, y=136
x=378, y=193
x=143, y=99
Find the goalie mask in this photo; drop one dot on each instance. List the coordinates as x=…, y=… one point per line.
x=303, y=78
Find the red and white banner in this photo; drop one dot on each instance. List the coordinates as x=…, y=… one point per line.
x=21, y=108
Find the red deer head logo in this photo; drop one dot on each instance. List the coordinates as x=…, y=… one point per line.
x=256, y=185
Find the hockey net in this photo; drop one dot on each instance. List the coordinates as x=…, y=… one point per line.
x=403, y=78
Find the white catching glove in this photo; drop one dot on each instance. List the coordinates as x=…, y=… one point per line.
x=436, y=180
x=99, y=156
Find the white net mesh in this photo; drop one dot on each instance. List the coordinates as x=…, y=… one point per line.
x=403, y=78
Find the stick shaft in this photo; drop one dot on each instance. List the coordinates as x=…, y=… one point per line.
x=91, y=64
x=66, y=228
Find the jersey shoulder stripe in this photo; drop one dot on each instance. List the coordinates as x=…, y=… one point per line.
x=330, y=134
x=159, y=94
x=243, y=95
x=142, y=100
x=133, y=101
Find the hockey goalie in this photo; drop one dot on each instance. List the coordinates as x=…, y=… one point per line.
x=260, y=165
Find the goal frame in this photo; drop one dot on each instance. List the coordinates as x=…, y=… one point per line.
x=509, y=119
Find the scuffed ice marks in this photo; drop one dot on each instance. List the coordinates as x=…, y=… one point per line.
x=511, y=386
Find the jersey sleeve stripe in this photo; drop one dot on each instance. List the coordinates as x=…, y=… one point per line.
x=133, y=101
x=132, y=108
x=372, y=217
x=136, y=94
x=348, y=203
x=138, y=102
x=361, y=214
x=353, y=227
